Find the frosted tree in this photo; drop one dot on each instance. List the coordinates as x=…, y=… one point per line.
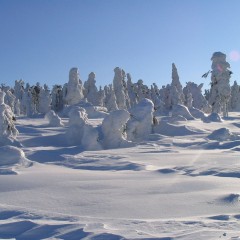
x=44, y=99
x=198, y=100
x=142, y=90
x=91, y=90
x=74, y=88
x=57, y=98
x=100, y=97
x=220, y=91
x=155, y=97
x=27, y=103
x=9, y=97
x=235, y=97
x=131, y=91
x=189, y=100
x=114, y=129
x=17, y=107
x=119, y=88
x=8, y=132
x=19, y=89
x=176, y=90
x=127, y=99
x=165, y=98
x=141, y=120
x=80, y=132
x=111, y=102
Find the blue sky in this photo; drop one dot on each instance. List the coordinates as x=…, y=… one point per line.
x=41, y=40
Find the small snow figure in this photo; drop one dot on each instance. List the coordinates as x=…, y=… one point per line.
x=54, y=119
x=141, y=122
x=8, y=132
x=114, y=130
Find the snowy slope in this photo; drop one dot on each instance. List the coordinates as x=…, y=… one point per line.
x=166, y=187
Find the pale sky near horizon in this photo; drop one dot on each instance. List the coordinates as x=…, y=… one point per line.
x=40, y=40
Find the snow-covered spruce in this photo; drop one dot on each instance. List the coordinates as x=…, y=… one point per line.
x=53, y=119
x=141, y=120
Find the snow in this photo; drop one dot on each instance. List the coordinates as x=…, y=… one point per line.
x=180, y=182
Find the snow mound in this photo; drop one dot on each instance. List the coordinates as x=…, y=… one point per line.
x=181, y=110
x=53, y=119
x=196, y=113
x=213, y=117
x=222, y=134
x=168, y=129
x=12, y=156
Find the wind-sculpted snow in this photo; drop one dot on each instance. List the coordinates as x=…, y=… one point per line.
x=11, y=159
x=181, y=181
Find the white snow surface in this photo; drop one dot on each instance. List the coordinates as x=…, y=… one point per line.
x=175, y=184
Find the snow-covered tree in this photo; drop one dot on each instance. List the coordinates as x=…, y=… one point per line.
x=114, y=130
x=80, y=132
x=220, y=91
x=19, y=89
x=235, y=97
x=119, y=88
x=44, y=100
x=100, y=97
x=110, y=101
x=90, y=89
x=27, y=103
x=74, y=88
x=176, y=91
x=57, y=98
x=8, y=131
x=198, y=100
x=141, y=120
x=131, y=91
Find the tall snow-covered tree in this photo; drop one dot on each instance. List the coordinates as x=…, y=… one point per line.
x=8, y=132
x=119, y=88
x=57, y=98
x=91, y=90
x=44, y=99
x=74, y=88
x=176, y=91
x=131, y=91
x=220, y=91
x=110, y=101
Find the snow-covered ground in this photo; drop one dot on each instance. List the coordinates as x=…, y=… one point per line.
x=180, y=184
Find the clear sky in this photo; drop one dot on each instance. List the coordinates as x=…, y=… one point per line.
x=40, y=40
